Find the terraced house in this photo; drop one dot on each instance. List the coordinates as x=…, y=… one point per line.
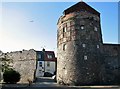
x=46, y=63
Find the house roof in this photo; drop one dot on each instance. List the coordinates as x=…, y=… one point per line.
x=81, y=6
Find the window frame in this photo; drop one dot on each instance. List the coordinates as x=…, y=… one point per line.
x=48, y=64
x=40, y=64
x=49, y=56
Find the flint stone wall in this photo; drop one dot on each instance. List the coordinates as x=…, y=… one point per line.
x=78, y=65
x=111, y=69
x=25, y=63
x=0, y=66
x=102, y=64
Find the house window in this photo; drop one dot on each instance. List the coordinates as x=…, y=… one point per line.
x=40, y=64
x=82, y=27
x=98, y=46
x=64, y=47
x=83, y=45
x=49, y=56
x=39, y=56
x=48, y=64
x=95, y=28
x=85, y=57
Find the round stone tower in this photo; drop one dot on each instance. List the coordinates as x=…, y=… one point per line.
x=79, y=44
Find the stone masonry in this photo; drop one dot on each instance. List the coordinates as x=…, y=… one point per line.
x=82, y=58
x=1, y=66
x=24, y=62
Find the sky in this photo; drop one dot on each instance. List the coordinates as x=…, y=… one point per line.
x=33, y=25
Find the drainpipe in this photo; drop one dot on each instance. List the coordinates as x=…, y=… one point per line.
x=44, y=58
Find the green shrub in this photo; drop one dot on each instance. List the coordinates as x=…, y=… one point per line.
x=11, y=76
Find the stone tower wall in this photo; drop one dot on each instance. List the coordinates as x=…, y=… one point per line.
x=79, y=49
x=1, y=66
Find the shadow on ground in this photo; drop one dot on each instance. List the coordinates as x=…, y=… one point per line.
x=49, y=83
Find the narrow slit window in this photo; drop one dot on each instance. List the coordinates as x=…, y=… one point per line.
x=98, y=46
x=82, y=27
x=95, y=28
x=85, y=57
x=64, y=47
x=64, y=29
x=83, y=45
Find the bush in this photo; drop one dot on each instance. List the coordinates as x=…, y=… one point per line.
x=11, y=76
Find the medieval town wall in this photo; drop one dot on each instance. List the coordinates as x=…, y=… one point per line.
x=111, y=53
x=24, y=62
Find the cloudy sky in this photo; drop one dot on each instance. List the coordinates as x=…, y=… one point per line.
x=33, y=25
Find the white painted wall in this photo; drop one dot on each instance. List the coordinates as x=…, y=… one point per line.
x=40, y=69
x=51, y=67
x=45, y=68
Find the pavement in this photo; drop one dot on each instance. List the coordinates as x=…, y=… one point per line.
x=48, y=83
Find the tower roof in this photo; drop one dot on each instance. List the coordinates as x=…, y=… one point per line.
x=81, y=6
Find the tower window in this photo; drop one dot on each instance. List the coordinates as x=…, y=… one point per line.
x=64, y=29
x=98, y=46
x=82, y=27
x=83, y=45
x=85, y=57
x=95, y=28
x=64, y=47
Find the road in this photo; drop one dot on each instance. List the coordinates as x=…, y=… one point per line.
x=61, y=88
x=48, y=83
